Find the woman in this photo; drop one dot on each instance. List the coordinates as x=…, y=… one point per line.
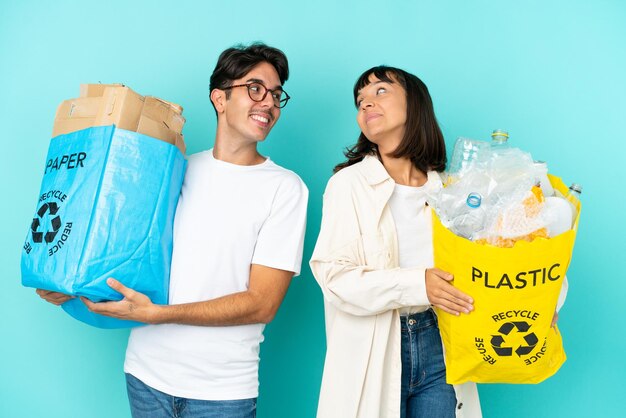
x=374, y=258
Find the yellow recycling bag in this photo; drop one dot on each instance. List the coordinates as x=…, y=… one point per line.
x=507, y=338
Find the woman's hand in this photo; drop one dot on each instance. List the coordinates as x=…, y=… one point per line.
x=55, y=298
x=445, y=296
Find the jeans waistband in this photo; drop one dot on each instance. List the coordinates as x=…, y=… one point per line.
x=418, y=320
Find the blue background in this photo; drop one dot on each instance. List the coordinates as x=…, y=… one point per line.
x=551, y=72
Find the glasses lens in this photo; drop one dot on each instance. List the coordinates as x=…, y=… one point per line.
x=278, y=96
x=256, y=91
x=284, y=98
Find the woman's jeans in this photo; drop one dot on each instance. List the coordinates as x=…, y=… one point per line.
x=147, y=402
x=425, y=393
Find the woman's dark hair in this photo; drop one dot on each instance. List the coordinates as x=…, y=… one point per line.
x=237, y=61
x=423, y=141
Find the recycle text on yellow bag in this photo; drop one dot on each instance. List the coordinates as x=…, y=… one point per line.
x=507, y=338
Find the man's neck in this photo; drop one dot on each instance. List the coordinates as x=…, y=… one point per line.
x=236, y=152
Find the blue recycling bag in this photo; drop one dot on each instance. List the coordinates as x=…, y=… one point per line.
x=105, y=209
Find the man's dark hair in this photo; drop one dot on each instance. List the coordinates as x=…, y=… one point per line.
x=423, y=141
x=237, y=61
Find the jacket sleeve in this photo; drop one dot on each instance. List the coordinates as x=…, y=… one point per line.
x=562, y=294
x=345, y=262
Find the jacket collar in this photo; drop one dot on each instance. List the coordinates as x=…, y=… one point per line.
x=373, y=170
x=375, y=173
x=381, y=182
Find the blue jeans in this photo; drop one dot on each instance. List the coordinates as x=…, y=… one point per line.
x=425, y=393
x=146, y=402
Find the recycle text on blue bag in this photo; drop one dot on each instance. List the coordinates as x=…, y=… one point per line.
x=105, y=209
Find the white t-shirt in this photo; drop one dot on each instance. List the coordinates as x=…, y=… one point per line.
x=413, y=221
x=228, y=217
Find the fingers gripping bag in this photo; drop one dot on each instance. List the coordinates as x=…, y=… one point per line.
x=508, y=337
x=105, y=209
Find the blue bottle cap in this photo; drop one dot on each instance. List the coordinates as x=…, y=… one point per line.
x=474, y=200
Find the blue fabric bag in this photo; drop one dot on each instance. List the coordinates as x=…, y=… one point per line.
x=105, y=209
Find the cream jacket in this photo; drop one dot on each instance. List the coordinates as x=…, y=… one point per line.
x=355, y=262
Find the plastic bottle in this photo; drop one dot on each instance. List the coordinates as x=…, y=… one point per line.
x=500, y=150
x=575, y=191
x=465, y=152
x=542, y=178
x=499, y=139
x=472, y=221
x=557, y=214
x=560, y=212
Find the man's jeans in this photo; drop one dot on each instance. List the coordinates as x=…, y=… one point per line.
x=425, y=393
x=146, y=402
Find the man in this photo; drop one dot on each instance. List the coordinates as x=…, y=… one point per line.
x=238, y=237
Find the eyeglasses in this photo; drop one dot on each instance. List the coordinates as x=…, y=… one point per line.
x=258, y=91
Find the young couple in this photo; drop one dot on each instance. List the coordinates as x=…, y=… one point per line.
x=238, y=238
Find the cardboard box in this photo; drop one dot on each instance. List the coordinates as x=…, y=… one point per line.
x=116, y=104
x=120, y=107
x=76, y=114
x=175, y=107
x=160, y=110
x=95, y=90
x=157, y=129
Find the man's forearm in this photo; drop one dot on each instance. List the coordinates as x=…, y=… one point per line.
x=258, y=304
x=236, y=309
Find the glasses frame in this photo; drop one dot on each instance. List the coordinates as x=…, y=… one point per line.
x=283, y=102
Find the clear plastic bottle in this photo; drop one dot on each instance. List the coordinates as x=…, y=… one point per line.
x=541, y=174
x=499, y=139
x=500, y=150
x=557, y=214
x=575, y=190
x=466, y=152
x=470, y=223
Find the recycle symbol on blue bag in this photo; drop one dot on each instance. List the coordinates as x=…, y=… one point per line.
x=499, y=343
x=49, y=231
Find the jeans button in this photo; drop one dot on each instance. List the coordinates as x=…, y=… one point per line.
x=412, y=321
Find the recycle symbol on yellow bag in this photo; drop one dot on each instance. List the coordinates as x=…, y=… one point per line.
x=499, y=342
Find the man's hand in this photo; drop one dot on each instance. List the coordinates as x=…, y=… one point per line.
x=134, y=307
x=55, y=298
x=445, y=296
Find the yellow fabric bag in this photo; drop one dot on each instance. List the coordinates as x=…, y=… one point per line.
x=507, y=338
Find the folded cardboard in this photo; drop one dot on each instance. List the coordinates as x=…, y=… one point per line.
x=119, y=105
x=95, y=90
x=156, y=129
x=166, y=112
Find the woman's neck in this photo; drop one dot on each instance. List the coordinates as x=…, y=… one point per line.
x=403, y=172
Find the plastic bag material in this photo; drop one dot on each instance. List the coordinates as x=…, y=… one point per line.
x=105, y=209
x=508, y=337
